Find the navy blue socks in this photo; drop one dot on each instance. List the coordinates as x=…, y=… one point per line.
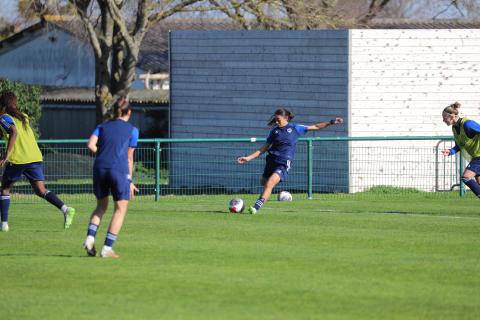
x=110, y=240
x=473, y=185
x=259, y=203
x=92, y=230
x=4, y=205
x=53, y=199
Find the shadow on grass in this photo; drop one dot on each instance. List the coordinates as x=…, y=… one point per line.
x=41, y=255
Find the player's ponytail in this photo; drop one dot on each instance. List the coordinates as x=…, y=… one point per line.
x=8, y=105
x=121, y=107
x=452, y=109
x=284, y=112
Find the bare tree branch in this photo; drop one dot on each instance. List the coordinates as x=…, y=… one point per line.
x=373, y=10
x=142, y=21
x=235, y=14
x=120, y=22
x=167, y=13
x=81, y=7
x=452, y=3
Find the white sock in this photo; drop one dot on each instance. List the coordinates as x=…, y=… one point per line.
x=64, y=209
x=106, y=248
x=91, y=238
x=4, y=224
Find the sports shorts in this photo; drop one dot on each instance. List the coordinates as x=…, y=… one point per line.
x=32, y=171
x=277, y=166
x=111, y=180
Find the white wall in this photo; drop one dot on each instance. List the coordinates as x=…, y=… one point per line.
x=400, y=82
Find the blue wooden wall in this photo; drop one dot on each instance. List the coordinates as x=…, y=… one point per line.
x=228, y=84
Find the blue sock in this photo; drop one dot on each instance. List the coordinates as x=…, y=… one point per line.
x=53, y=199
x=92, y=230
x=110, y=239
x=259, y=203
x=473, y=185
x=4, y=205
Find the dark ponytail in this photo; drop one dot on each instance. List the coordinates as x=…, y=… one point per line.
x=284, y=112
x=8, y=105
x=121, y=107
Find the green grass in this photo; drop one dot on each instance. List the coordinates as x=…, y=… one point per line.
x=415, y=256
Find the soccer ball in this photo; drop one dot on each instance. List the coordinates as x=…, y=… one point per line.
x=236, y=205
x=285, y=196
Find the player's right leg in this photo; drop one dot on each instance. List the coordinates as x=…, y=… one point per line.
x=4, y=205
x=270, y=183
x=11, y=174
x=469, y=178
x=95, y=219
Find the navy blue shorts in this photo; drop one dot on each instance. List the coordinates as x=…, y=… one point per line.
x=32, y=171
x=474, y=166
x=274, y=166
x=106, y=180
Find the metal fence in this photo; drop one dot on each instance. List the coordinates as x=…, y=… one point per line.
x=341, y=165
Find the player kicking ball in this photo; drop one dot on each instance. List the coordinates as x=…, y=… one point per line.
x=114, y=143
x=23, y=157
x=281, y=143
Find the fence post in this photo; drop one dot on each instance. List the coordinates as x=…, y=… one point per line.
x=462, y=184
x=157, y=170
x=310, y=168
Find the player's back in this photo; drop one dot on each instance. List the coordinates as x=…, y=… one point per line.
x=113, y=142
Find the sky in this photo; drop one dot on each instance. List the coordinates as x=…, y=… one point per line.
x=8, y=9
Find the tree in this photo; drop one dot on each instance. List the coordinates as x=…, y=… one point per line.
x=116, y=29
x=6, y=28
x=28, y=100
x=307, y=14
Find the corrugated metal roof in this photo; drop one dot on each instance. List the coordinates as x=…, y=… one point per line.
x=424, y=24
x=87, y=95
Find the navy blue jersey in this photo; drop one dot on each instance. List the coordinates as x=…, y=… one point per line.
x=283, y=141
x=114, y=139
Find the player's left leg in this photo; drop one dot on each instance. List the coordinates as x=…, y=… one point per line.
x=51, y=197
x=34, y=173
x=114, y=229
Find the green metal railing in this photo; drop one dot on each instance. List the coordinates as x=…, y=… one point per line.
x=207, y=166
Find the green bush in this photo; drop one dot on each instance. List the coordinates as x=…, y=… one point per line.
x=28, y=100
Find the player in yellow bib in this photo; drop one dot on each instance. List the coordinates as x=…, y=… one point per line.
x=466, y=133
x=22, y=157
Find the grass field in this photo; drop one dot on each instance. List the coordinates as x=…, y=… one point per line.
x=415, y=256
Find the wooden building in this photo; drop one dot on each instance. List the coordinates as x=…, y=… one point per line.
x=228, y=84
x=384, y=82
